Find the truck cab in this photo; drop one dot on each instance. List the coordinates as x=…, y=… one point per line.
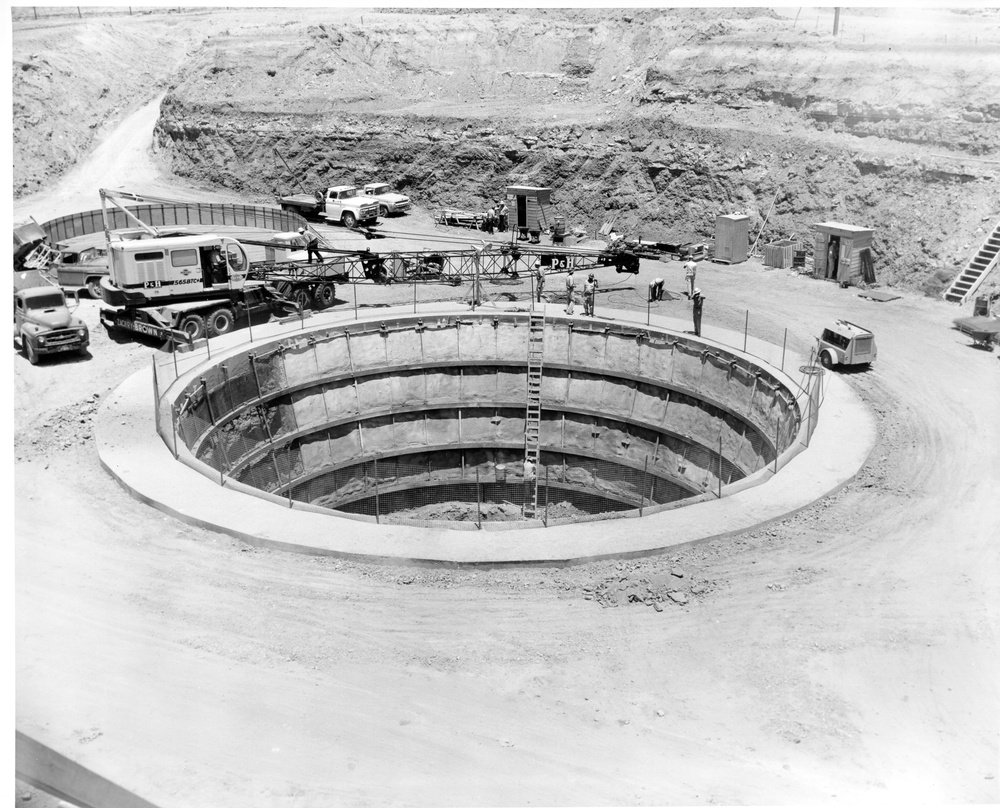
x=389, y=201
x=44, y=324
x=143, y=270
x=846, y=343
x=345, y=205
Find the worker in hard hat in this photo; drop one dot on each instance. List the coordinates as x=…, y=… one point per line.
x=698, y=301
x=311, y=241
x=539, y=279
x=570, y=287
x=589, y=292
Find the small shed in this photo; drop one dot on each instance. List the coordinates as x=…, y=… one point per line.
x=528, y=208
x=843, y=253
x=732, y=238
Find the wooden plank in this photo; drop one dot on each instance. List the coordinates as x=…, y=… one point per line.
x=867, y=267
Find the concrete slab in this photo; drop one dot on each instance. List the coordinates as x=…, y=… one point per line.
x=132, y=452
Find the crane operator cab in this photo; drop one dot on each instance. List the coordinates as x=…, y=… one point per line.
x=148, y=269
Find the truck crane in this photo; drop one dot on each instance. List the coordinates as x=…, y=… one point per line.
x=188, y=286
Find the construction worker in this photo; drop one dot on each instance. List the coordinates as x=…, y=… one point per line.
x=503, y=217
x=690, y=269
x=589, y=292
x=311, y=241
x=698, y=302
x=491, y=220
x=539, y=279
x=570, y=286
x=655, y=290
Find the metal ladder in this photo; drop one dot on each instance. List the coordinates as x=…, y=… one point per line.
x=533, y=415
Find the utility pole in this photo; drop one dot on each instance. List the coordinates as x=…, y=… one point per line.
x=836, y=21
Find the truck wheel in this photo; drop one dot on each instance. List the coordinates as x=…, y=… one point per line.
x=29, y=349
x=301, y=297
x=324, y=296
x=194, y=326
x=349, y=219
x=94, y=288
x=383, y=211
x=221, y=321
x=825, y=360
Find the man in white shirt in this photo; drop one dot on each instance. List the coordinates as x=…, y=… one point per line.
x=690, y=268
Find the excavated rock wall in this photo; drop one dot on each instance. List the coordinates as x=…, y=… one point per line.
x=659, y=121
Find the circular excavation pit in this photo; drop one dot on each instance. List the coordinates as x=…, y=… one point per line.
x=424, y=419
x=394, y=437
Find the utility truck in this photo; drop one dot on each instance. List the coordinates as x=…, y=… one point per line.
x=340, y=204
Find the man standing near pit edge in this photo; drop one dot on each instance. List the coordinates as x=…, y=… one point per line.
x=698, y=302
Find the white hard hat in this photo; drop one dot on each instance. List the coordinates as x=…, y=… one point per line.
x=302, y=230
x=697, y=291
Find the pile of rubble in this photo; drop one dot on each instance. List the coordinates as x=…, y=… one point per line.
x=64, y=428
x=655, y=589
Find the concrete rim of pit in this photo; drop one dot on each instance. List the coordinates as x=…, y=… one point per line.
x=134, y=454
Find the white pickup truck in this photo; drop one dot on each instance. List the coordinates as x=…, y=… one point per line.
x=388, y=201
x=341, y=203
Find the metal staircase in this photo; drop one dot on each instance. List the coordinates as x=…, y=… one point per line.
x=533, y=415
x=970, y=278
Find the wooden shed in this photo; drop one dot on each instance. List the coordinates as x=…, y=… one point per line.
x=529, y=209
x=732, y=238
x=843, y=253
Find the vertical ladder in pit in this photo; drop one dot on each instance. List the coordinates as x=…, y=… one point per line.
x=533, y=415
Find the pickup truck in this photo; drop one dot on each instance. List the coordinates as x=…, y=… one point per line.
x=81, y=268
x=43, y=323
x=389, y=202
x=341, y=203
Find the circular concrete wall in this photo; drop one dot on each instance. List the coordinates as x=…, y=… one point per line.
x=424, y=418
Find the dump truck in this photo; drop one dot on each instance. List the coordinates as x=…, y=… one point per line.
x=43, y=322
x=340, y=204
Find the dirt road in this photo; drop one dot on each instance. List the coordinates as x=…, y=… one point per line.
x=849, y=653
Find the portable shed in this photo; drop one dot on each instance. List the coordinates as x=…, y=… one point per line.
x=732, y=238
x=528, y=208
x=843, y=253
